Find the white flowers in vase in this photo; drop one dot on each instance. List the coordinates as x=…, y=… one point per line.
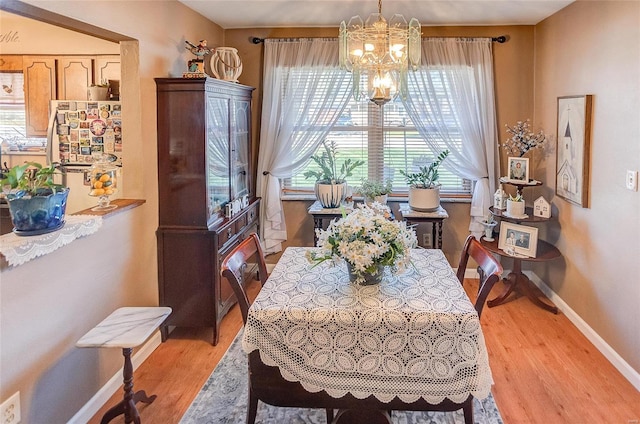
x=366, y=239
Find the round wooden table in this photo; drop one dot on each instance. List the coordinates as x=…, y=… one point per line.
x=545, y=252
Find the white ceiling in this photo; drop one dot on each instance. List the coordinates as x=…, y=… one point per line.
x=231, y=14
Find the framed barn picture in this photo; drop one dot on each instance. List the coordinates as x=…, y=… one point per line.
x=573, y=150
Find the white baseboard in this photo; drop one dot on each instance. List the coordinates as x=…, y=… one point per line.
x=616, y=360
x=104, y=394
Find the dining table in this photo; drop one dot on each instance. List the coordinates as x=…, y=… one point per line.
x=415, y=336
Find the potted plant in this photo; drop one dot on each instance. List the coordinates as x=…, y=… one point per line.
x=488, y=222
x=97, y=92
x=515, y=206
x=424, y=189
x=331, y=184
x=37, y=205
x=375, y=191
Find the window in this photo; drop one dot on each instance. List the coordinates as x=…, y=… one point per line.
x=12, y=115
x=386, y=139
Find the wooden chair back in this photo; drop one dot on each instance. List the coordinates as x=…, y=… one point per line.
x=235, y=265
x=489, y=269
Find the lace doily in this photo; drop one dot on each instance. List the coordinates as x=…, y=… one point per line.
x=415, y=335
x=19, y=249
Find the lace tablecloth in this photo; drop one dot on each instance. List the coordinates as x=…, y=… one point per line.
x=415, y=335
x=20, y=249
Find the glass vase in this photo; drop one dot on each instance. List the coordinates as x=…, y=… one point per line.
x=367, y=279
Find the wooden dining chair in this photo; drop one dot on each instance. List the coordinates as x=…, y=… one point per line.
x=261, y=386
x=489, y=269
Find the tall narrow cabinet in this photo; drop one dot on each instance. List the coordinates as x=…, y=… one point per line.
x=204, y=164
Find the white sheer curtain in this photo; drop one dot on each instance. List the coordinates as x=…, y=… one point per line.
x=304, y=93
x=466, y=66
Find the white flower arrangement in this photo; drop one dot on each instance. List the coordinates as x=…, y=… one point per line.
x=366, y=239
x=523, y=139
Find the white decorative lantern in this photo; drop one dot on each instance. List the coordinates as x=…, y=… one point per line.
x=226, y=64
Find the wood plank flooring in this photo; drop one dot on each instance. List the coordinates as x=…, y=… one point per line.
x=545, y=370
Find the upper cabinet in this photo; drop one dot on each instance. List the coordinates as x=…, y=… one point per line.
x=49, y=78
x=75, y=75
x=39, y=90
x=107, y=68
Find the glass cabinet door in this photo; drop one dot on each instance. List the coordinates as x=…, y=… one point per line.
x=240, y=142
x=217, y=155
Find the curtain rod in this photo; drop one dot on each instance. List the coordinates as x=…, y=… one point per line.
x=501, y=39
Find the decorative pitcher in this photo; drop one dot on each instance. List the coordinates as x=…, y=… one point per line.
x=226, y=64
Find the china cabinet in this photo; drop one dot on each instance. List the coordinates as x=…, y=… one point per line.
x=204, y=142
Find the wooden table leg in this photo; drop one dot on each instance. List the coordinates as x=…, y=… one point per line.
x=518, y=278
x=510, y=284
x=534, y=298
x=128, y=405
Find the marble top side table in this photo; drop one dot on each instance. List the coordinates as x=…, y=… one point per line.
x=436, y=219
x=126, y=328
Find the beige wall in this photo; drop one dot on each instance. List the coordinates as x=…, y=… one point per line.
x=48, y=304
x=593, y=47
x=27, y=38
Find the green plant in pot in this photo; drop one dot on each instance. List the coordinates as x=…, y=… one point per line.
x=375, y=191
x=36, y=203
x=331, y=180
x=424, y=188
x=516, y=206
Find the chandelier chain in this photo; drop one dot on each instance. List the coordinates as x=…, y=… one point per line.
x=380, y=7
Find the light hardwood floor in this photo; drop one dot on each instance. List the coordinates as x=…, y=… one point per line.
x=545, y=371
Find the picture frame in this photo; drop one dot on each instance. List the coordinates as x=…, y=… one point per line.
x=518, y=240
x=574, y=148
x=518, y=170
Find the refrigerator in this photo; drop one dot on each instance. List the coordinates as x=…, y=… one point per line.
x=78, y=131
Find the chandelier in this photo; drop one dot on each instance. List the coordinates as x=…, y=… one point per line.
x=383, y=52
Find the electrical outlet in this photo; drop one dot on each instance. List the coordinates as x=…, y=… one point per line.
x=11, y=409
x=632, y=180
x=426, y=240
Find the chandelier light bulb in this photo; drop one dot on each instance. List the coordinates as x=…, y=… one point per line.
x=381, y=50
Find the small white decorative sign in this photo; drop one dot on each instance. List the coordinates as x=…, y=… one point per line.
x=542, y=208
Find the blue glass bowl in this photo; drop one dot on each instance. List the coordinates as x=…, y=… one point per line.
x=38, y=214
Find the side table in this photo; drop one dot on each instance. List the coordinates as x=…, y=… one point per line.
x=126, y=328
x=436, y=219
x=320, y=215
x=544, y=252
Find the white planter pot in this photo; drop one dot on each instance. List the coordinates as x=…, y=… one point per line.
x=515, y=209
x=424, y=199
x=98, y=93
x=380, y=199
x=330, y=195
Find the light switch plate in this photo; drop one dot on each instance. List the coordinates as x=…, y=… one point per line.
x=632, y=180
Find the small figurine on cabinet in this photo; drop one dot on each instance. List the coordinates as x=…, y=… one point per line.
x=196, y=66
x=542, y=208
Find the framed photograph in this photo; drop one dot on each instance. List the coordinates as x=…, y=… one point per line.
x=518, y=240
x=573, y=150
x=518, y=170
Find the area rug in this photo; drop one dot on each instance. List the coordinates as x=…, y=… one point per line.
x=223, y=400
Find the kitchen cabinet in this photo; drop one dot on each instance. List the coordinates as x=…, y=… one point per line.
x=204, y=151
x=49, y=78
x=75, y=75
x=10, y=63
x=39, y=89
x=107, y=70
